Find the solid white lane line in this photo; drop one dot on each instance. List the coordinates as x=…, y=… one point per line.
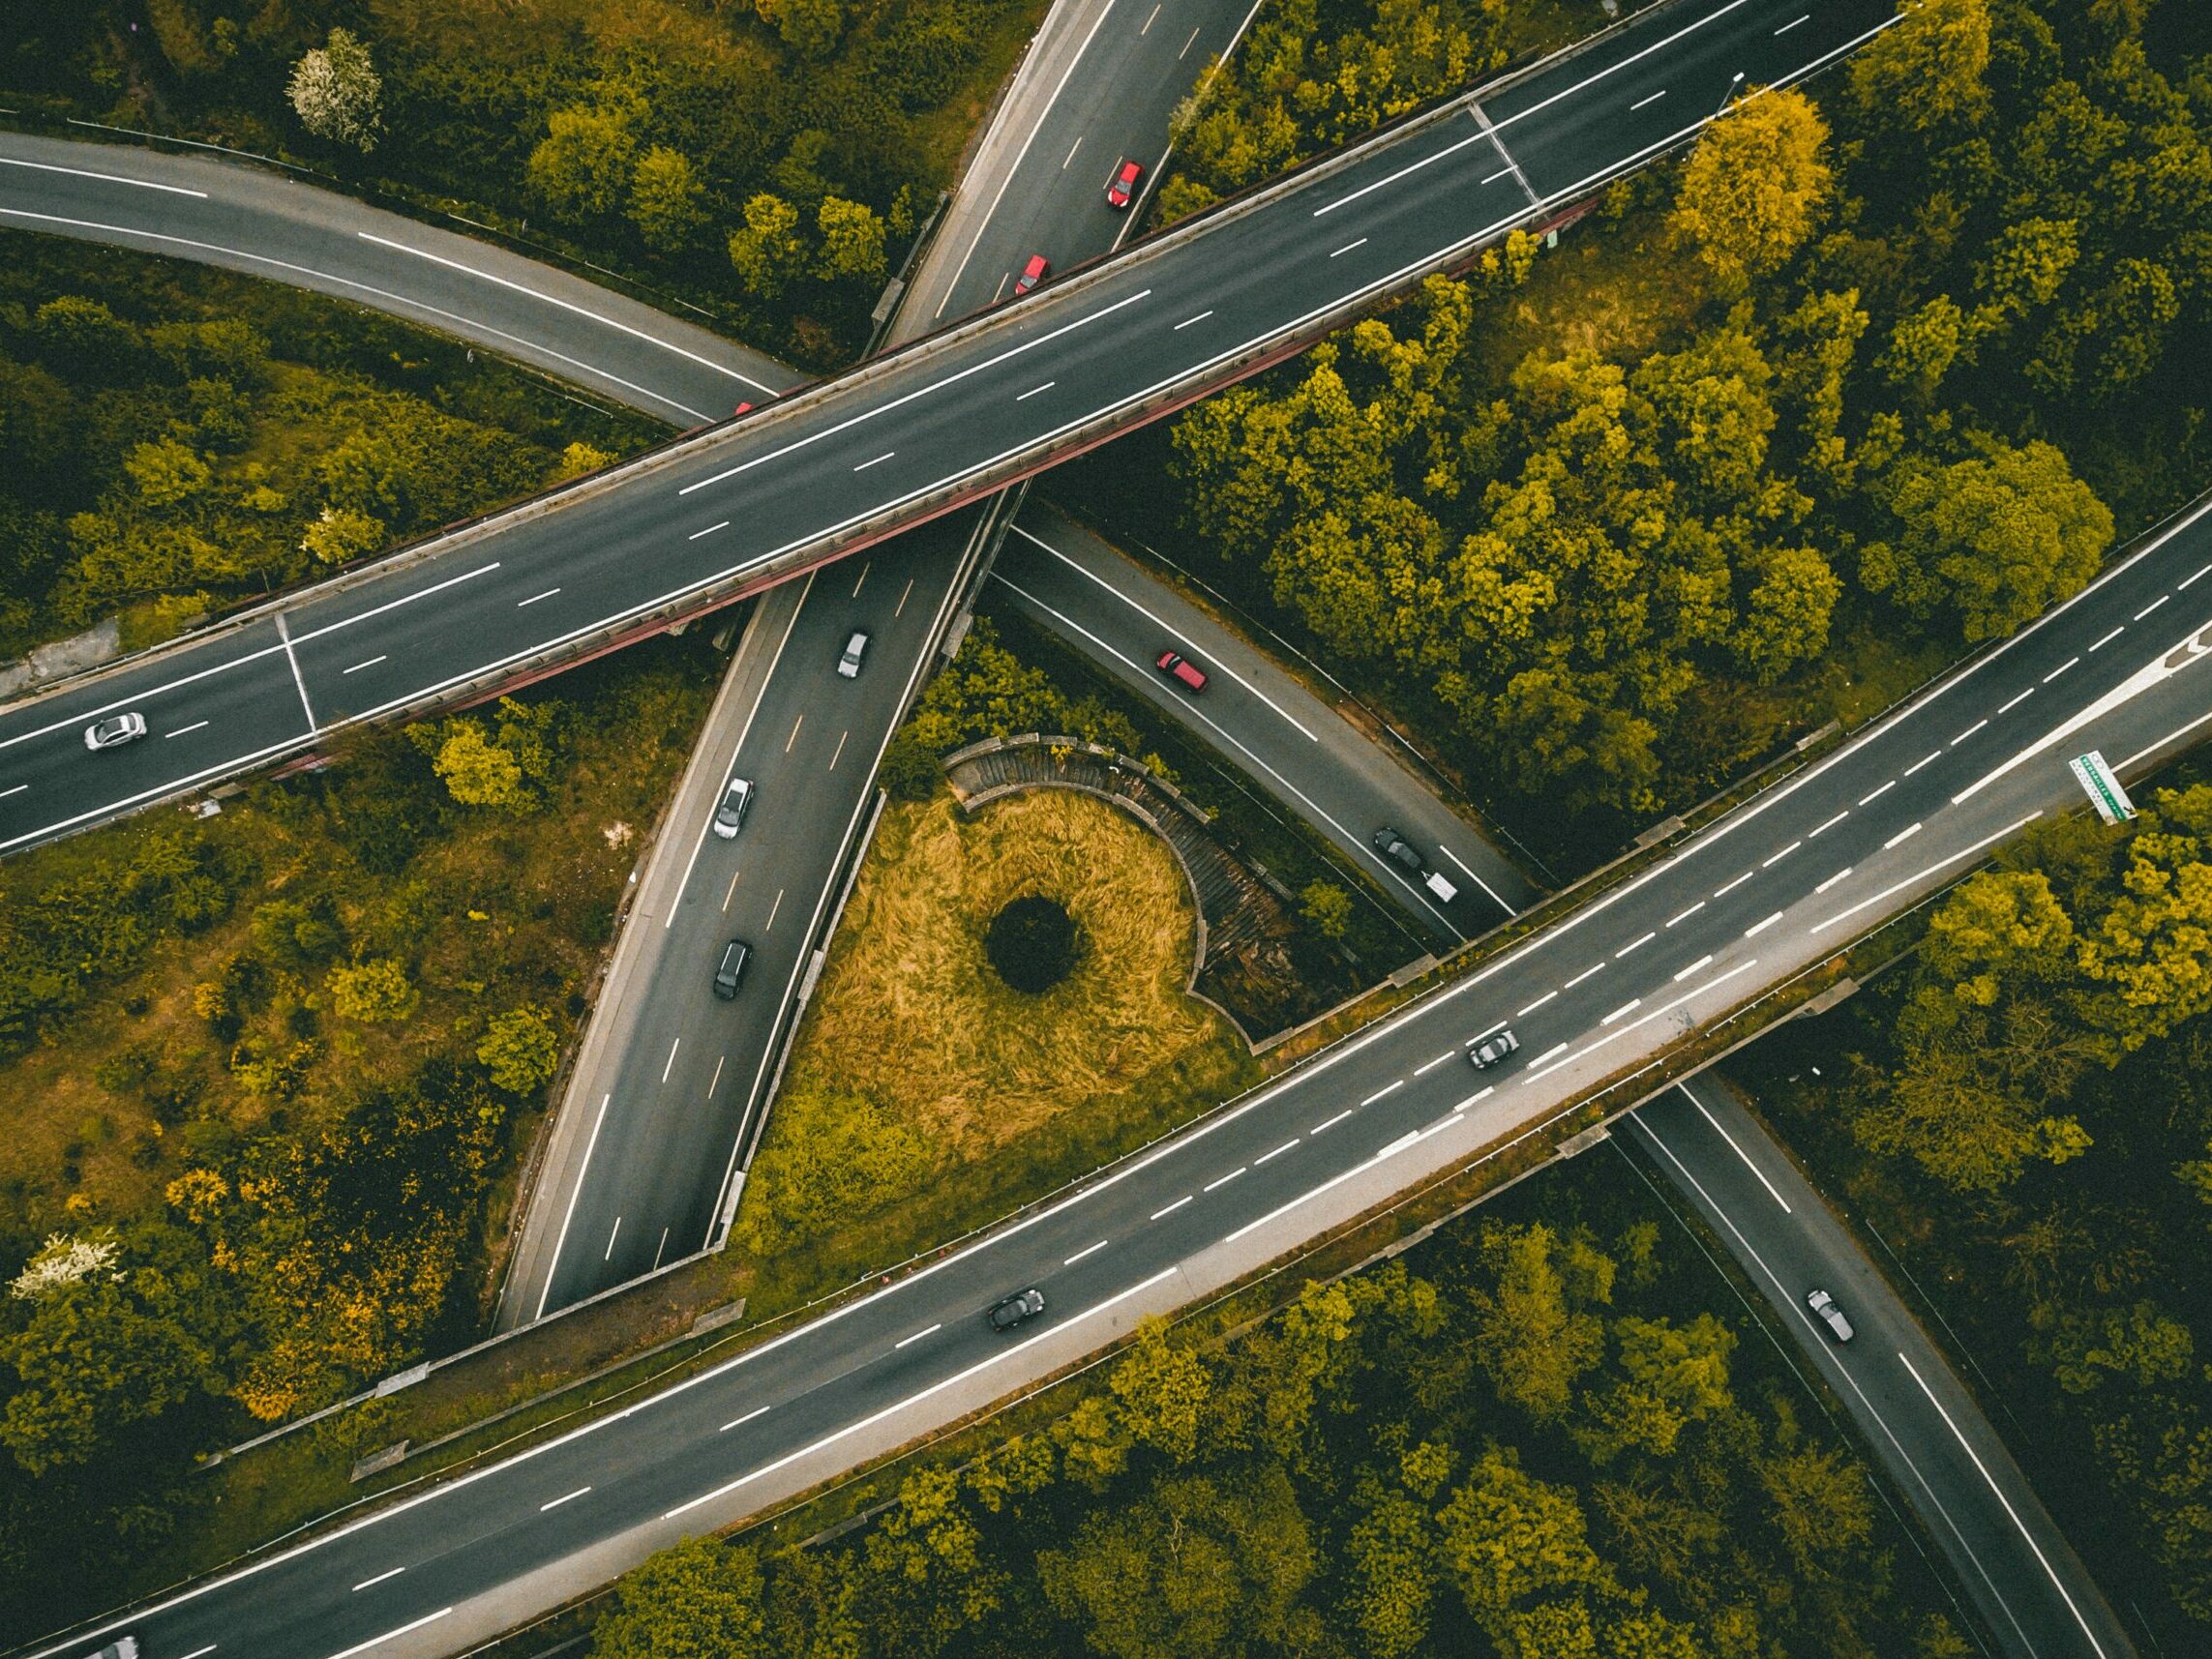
x=1598, y=967
x=1727, y=887
x=1757, y=927
x=1969, y=731
x=1087, y=1250
x=535, y=597
x=878, y=461
x=1878, y=794
x=1833, y=880
x=2114, y=634
x=1348, y=246
x=1653, y=99
x=1537, y=1072
x=564, y=1498
x=104, y=178
x=1964, y=853
x=2060, y=670
x=1626, y=1008
x=1276, y=1153
x=1186, y=46
x=1634, y=945
x=1225, y=1179
x=612, y=1233
x=2147, y=750
x=1925, y=760
x=1387, y=1090
x=708, y=532
x=1814, y=834
x=740, y=1422
x=299, y=680
x=1552, y=1052
x=1701, y=963
x=1187, y=321
x=1072, y=149
x=412, y=1624
x=2057, y=1584
x=569, y=1214
x=1720, y=1130
x=1172, y=1209
x=1480, y=1094
x=1903, y=836
x=181, y=730
x=406, y=599
x=1769, y=863
x=565, y=305
x=370, y=663
x=377, y=1579
x=1329, y=1122
x=716, y=1081
x=2008, y=708
x=2151, y=606
x=1686, y=914
x=919, y=1335
x=1035, y=390
x=671, y=1066
x=1524, y=1013
x=1426, y=1066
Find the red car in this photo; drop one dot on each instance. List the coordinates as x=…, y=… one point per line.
x=742, y=410
x=1121, y=188
x=1034, y=271
x=1177, y=668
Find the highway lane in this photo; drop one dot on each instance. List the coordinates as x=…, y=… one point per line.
x=1909, y=1406
x=1773, y=888
x=833, y=466
x=1315, y=761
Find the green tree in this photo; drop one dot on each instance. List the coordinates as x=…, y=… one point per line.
x=1327, y=908
x=1820, y=1507
x=1786, y=616
x=169, y=474
x=1507, y=1538
x=1754, y=185
x=767, y=249
x=340, y=534
x=699, y=1599
x=1925, y=70
x=82, y=339
x=2141, y=1343
x=1530, y=1336
x=588, y=154
x=1923, y=345
x=1163, y=1391
x=811, y=28
x=928, y=1572
x=479, y=773
x=852, y=241
x=910, y=771
x=665, y=192
x=374, y=991
x=521, y=1049
x=334, y=89
x=579, y=458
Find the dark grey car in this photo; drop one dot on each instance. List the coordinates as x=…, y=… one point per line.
x=1398, y=850
x=1023, y=1305
x=730, y=969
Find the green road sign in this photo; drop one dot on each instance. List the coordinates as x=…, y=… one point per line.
x=2105, y=791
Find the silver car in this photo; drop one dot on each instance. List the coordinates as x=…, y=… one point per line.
x=1493, y=1048
x=114, y=732
x=729, y=815
x=855, y=647
x=1831, y=1316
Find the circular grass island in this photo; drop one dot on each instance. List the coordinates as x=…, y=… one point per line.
x=1033, y=944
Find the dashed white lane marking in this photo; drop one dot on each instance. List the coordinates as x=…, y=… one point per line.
x=1769, y=863
x=1276, y=1153
x=412, y=1624
x=1626, y=1008
x=564, y=1498
x=1653, y=99
x=104, y=178
x=1186, y=46
x=878, y=461
x=1686, y=914
x=1969, y=731
x=1483, y=1093
x=1524, y=1013
x=1987, y=840
x=1187, y=321
x=1793, y=23
x=1502, y=172
x=1701, y=963
x=1834, y=879
x=2008, y=708
x=2178, y=586
x=377, y=1579
x=1072, y=149
x=774, y=909
x=1035, y=390
x=612, y=1233
x=2109, y=637
x=793, y=738
x=1426, y=1066
x=2060, y=670
x=1722, y=892
x=740, y=1422
x=1864, y=800
x=1815, y=835
x=1552, y=1052
x=731, y=891
x=708, y=532
x=535, y=597
x=1348, y=246
x=1597, y=967
x=181, y=730
x=1087, y=1250
x=2151, y=606
x=1172, y=1209
x=16, y=790
x=1149, y=22
x=1387, y=1089
x=919, y=1335
x=671, y=1066
x=1634, y=945
x=1225, y=1179
x=1925, y=760
x=1757, y=927
x=834, y=759
x=370, y=663
x=200, y=1652
x=1903, y=836
x=716, y=1081
x=1327, y=1123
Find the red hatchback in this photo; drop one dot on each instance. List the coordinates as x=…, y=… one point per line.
x=1034, y=271
x=1121, y=188
x=1177, y=668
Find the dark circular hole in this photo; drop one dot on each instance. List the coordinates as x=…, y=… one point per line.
x=1033, y=944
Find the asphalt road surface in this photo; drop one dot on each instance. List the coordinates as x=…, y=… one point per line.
x=1775, y=888
x=1910, y=1407
x=836, y=464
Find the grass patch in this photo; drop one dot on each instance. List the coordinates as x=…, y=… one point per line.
x=925, y=1093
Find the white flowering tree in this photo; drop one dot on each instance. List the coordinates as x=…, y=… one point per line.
x=334, y=90
x=65, y=1259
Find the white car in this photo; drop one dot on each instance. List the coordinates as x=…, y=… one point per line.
x=1831, y=1316
x=114, y=732
x=856, y=648
x=729, y=815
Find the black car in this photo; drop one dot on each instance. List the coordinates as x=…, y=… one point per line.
x=1493, y=1050
x=1023, y=1305
x=1397, y=849
x=730, y=969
